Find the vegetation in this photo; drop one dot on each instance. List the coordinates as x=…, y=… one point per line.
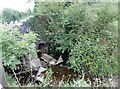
x=15, y=45
x=9, y=15
x=47, y=81
x=88, y=32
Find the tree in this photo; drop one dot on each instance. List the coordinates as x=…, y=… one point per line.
x=9, y=15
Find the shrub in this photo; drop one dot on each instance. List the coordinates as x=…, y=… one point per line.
x=88, y=32
x=15, y=45
x=96, y=44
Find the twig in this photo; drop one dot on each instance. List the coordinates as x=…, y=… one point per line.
x=17, y=80
x=21, y=72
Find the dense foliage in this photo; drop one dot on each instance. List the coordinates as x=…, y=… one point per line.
x=9, y=15
x=15, y=45
x=88, y=32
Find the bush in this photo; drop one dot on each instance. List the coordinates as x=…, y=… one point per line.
x=96, y=44
x=15, y=45
x=88, y=32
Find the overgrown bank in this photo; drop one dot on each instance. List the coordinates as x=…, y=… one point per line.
x=88, y=33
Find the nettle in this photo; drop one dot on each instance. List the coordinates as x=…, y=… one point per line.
x=15, y=45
